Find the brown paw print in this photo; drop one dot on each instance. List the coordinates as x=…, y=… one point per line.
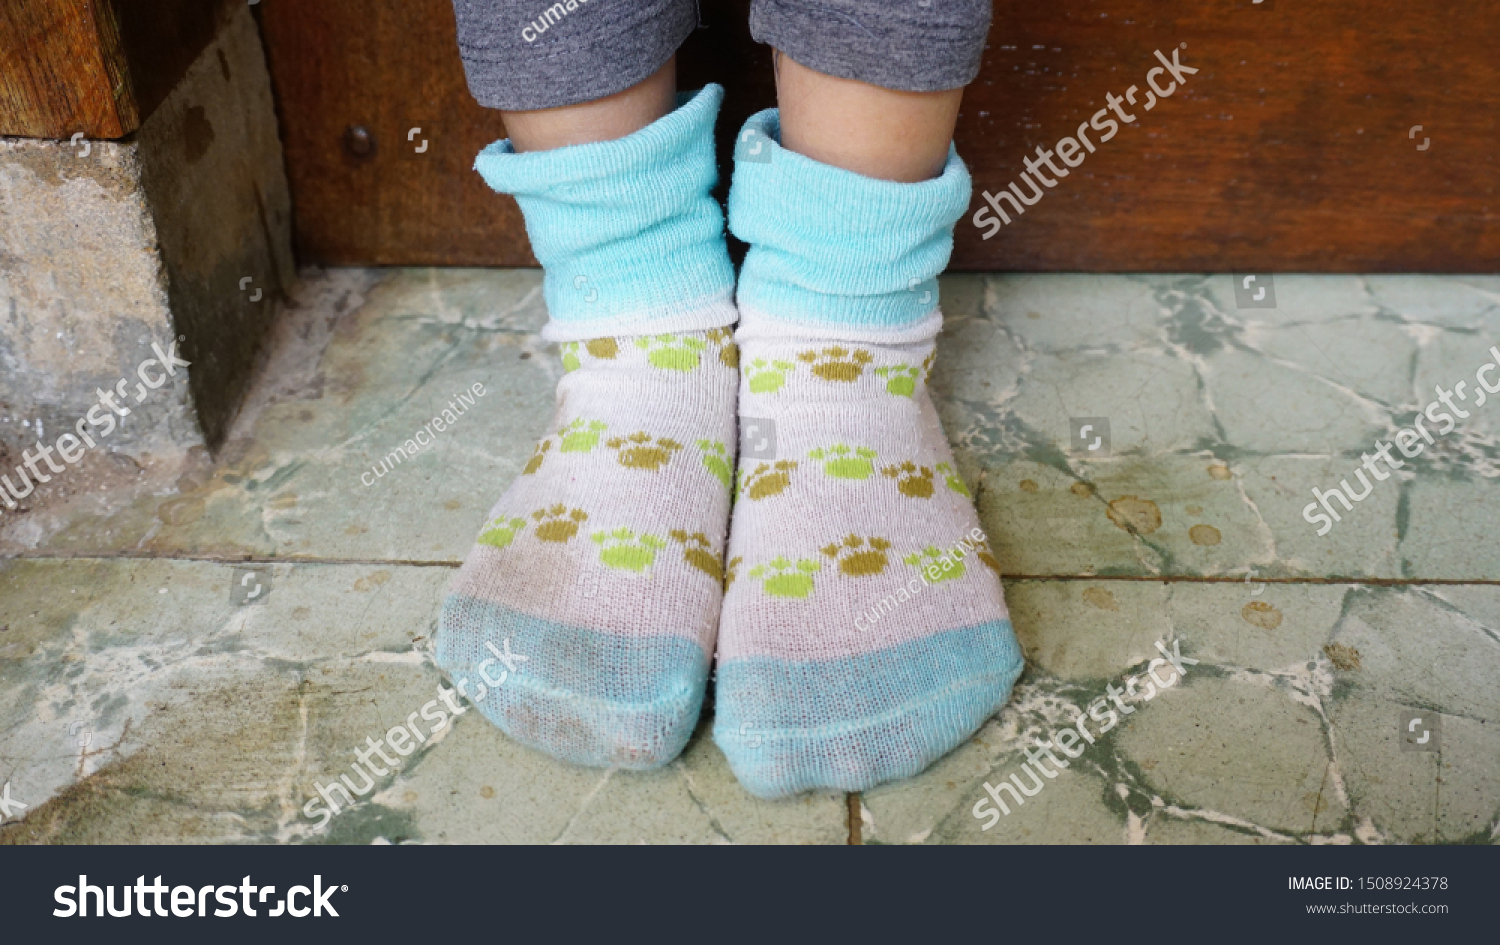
x=837, y=364
x=858, y=557
x=602, y=348
x=911, y=479
x=538, y=456
x=558, y=523
x=640, y=451
x=698, y=552
x=729, y=352
x=767, y=479
x=734, y=565
x=927, y=364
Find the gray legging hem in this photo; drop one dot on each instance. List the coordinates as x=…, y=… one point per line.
x=521, y=55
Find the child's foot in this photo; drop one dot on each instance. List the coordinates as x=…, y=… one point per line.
x=864, y=632
x=602, y=565
x=583, y=620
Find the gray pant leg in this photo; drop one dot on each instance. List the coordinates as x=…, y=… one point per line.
x=908, y=45
x=521, y=55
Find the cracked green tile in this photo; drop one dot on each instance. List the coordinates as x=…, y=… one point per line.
x=1417, y=796
x=1451, y=531
x=1230, y=625
x=1085, y=311
x=480, y=787
x=1301, y=298
x=1236, y=746
x=1265, y=407
x=1467, y=301
x=1087, y=630
x=1363, y=543
x=1165, y=829
x=1367, y=355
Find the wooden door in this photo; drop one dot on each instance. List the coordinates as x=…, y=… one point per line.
x=1294, y=147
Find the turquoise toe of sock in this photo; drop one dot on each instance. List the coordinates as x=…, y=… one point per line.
x=586, y=697
x=850, y=724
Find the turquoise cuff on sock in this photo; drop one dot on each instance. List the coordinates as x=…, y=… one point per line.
x=629, y=236
x=834, y=251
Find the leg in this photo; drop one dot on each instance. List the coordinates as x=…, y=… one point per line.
x=583, y=620
x=865, y=634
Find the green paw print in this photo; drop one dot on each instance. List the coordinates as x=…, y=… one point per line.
x=672, y=352
x=624, y=549
x=936, y=565
x=900, y=379
x=782, y=578
x=581, y=436
x=843, y=462
x=766, y=377
x=716, y=461
x=570, y=356
x=950, y=476
x=501, y=531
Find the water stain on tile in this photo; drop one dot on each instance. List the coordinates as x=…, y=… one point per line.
x=287, y=500
x=452, y=504
x=1029, y=485
x=1204, y=535
x=1194, y=510
x=1219, y=471
x=372, y=581
x=1261, y=614
x=486, y=792
x=1133, y=514
x=1101, y=598
x=1343, y=657
x=1082, y=489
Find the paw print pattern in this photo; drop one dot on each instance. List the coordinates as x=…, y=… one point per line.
x=911, y=479
x=837, y=364
x=927, y=363
x=766, y=377
x=559, y=523
x=729, y=352
x=640, y=451
x=858, y=557
x=767, y=479
x=698, y=553
x=732, y=571
x=672, y=352
x=716, y=460
x=781, y=577
x=627, y=551
x=605, y=349
x=538, y=456
x=580, y=436
x=900, y=379
x=501, y=531
x=936, y=565
x=951, y=477
x=843, y=462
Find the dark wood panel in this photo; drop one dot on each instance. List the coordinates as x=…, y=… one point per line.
x=352, y=79
x=99, y=67
x=61, y=71
x=1288, y=149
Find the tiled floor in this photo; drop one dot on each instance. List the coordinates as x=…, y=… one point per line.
x=209, y=721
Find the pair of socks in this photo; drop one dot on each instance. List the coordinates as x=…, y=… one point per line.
x=835, y=572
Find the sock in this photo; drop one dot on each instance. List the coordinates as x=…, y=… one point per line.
x=864, y=632
x=583, y=620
